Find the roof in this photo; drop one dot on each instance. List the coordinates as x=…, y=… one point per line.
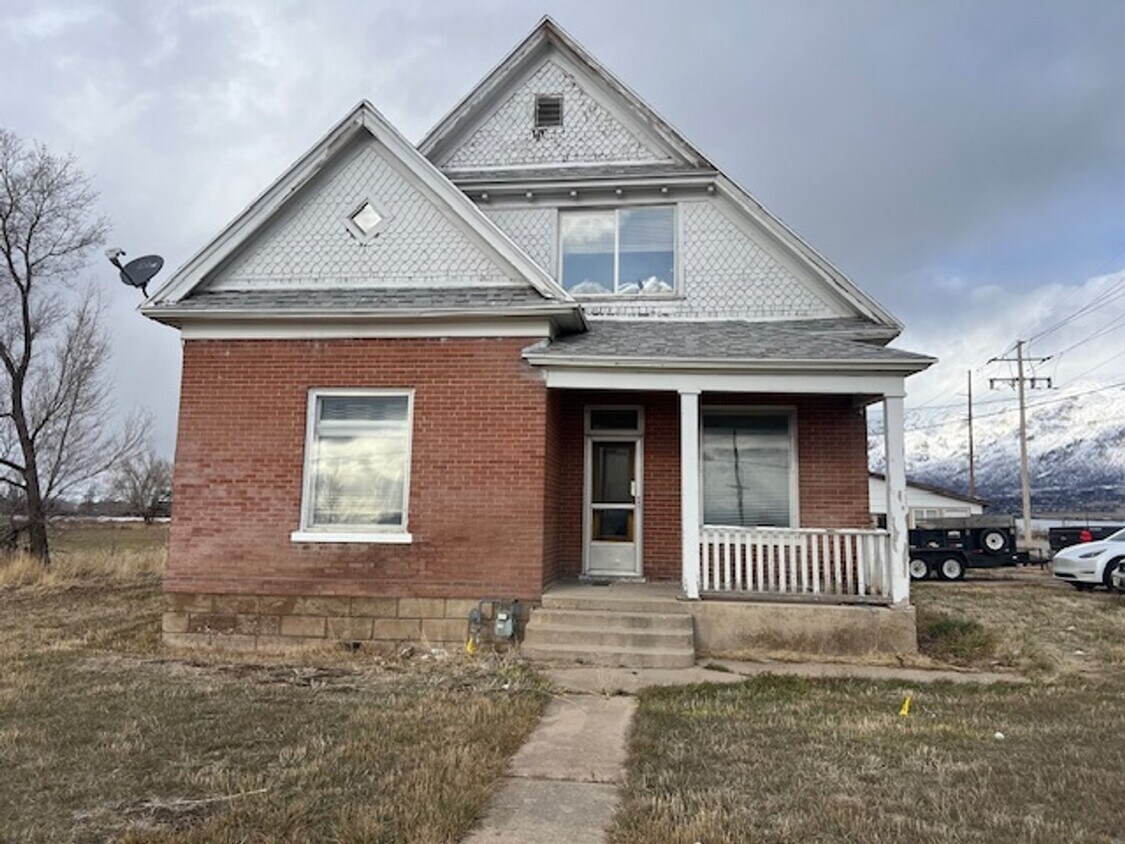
x=664, y=343
x=363, y=118
x=937, y=490
x=359, y=300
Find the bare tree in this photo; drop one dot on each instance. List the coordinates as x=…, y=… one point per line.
x=54, y=397
x=144, y=482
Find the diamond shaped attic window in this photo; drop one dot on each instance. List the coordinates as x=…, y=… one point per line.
x=366, y=219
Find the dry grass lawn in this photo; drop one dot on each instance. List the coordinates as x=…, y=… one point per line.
x=784, y=760
x=105, y=738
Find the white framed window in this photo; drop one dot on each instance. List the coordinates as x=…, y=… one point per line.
x=749, y=467
x=627, y=251
x=357, y=466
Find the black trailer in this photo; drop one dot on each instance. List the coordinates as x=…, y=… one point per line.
x=946, y=548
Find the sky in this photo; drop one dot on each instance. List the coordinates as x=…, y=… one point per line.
x=963, y=162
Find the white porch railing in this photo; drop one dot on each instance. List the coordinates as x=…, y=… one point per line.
x=833, y=564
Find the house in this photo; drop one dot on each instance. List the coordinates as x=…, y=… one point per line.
x=923, y=501
x=553, y=341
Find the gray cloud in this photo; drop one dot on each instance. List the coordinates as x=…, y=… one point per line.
x=956, y=159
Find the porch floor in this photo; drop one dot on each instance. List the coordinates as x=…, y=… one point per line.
x=615, y=590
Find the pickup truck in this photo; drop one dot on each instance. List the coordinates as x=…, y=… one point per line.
x=1064, y=537
x=947, y=547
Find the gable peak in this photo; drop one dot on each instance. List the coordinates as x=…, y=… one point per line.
x=602, y=120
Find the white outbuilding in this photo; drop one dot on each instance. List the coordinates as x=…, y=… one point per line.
x=924, y=501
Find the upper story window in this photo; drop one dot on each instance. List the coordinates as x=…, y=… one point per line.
x=624, y=251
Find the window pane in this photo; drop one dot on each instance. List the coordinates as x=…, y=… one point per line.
x=613, y=420
x=647, y=250
x=613, y=473
x=359, y=460
x=587, y=251
x=613, y=526
x=746, y=470
x=363, y=408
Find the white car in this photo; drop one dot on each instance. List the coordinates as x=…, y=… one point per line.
x=1091, y=563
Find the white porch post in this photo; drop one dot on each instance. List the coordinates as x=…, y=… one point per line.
x=893, y=433
x=689, y=489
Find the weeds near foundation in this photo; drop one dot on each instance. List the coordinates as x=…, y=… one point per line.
x=961, y=641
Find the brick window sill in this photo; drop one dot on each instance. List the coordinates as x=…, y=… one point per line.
x=351, y=536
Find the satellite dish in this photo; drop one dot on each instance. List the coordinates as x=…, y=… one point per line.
x=139, y=271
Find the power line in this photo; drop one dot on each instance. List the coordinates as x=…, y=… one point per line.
x=1115, y=292
x=930, y=426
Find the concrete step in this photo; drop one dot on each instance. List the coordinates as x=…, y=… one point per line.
x=612, y=656
x=601, y=619
x=610, y=603
x=618, y=637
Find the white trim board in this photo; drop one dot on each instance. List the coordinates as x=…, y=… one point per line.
x=321, y=330
x=865, y=384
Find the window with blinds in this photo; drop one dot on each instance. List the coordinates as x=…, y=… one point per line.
x=358, y=461
x=623, y=251
x=748, y=469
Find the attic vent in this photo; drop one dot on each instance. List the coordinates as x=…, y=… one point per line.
x=548, y=111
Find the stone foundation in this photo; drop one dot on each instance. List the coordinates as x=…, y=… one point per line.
x=729, y=628
x=252, y=622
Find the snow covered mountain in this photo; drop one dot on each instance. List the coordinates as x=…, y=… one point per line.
x=1076, y=449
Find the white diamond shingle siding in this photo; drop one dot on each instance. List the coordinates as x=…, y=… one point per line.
x=308, y=244
x=726, y=274
x=589, y=134
x=534, y=230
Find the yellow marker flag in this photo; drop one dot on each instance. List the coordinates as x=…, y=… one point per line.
x=906, y=706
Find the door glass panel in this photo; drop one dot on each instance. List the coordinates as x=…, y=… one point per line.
x=613, y=525
x=613, y=473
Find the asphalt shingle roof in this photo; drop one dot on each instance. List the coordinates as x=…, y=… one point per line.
x=365, y=299
x=723, y=340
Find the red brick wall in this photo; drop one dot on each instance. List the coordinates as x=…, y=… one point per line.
x=832, y=469
x=553, y=461
x=478, y=483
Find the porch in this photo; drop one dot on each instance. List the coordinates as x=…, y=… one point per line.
x=730, y=495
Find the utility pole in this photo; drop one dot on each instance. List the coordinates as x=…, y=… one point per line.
x=972, y=461
x=1019, y=382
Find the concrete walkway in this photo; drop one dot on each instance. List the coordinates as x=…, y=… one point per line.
x=594, y=680
x=562, y=784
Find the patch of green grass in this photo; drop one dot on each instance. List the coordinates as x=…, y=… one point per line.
x=104, y=737
x=961, y=641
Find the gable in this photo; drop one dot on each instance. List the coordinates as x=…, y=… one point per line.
x=590, y=132
x=308, y=242
x=603, y=123
x=301, y=231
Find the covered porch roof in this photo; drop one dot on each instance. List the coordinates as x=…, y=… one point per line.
x=724, y=344
x=799, y=356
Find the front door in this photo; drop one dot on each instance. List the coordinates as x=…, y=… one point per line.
x=613, y=496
